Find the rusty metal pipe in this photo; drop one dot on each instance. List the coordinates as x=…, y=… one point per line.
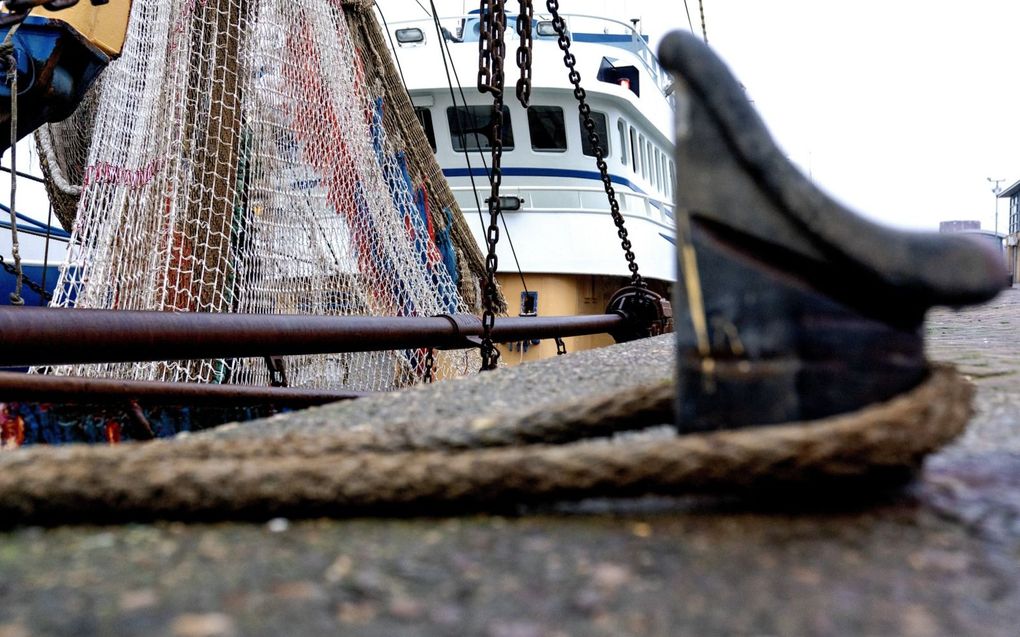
x=84, y=391
x=55, y=336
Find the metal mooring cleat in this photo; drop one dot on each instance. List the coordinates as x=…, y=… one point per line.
x=799, y=308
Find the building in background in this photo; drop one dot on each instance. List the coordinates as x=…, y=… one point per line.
x=988, y=237
x=959, y=226
x=1012, y=194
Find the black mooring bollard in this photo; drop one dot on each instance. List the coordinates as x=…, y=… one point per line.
x=799, y=308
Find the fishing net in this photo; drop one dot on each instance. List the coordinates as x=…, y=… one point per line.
x=257, y=156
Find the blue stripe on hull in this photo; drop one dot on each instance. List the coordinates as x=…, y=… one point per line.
x=544, y=172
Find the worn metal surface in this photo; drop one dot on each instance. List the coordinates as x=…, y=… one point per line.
x=19, y=387
x=809, y=309
x=52, y=336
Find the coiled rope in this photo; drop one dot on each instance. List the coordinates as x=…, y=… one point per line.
x=577, y=450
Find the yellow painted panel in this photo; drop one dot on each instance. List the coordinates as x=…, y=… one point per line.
x=559, y=295
x=104, y=26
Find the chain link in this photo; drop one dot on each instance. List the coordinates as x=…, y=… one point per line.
x=524, y=56
x=430, y=364
x=485, y=26
x=704, y=27
x=561, y=347
x=492, y=53
x=589, y=126
x=29, y=283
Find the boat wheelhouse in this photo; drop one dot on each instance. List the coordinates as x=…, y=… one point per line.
x=557, y=225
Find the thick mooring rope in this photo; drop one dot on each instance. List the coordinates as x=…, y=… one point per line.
x=485, y=463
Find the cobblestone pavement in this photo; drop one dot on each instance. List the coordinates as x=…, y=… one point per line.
x=940, y=558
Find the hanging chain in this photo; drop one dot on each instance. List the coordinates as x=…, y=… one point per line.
x=589, y=126
x=561, y=347
x=524, y=56
x=430, y=364
x=29, y=283
x=704, y=28
x=485, y=27
x=492, y=53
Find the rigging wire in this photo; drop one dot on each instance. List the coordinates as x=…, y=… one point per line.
x=424, y=9
x=444, y=49
x=389, y=34
x=688, y=11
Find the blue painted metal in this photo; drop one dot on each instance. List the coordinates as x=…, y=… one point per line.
x=33, y=272
x=56, y=67
x=37, y=227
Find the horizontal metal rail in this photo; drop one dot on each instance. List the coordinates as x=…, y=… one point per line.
x=87, y=391
x=649, y=207
x=57, y=336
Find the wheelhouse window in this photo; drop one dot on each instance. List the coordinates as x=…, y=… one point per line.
x=633, y=149
x=621, y=126
x=425, y=117
x=644, y=156
x=658, y=170
x=601, y=129
x=471, y=128
x=665, y=174
x=548, y=132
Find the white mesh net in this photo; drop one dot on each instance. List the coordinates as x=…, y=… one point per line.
x=240, y=164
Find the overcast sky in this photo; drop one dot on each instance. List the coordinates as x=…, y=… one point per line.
x=900, y=108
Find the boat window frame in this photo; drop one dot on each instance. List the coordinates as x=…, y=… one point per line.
x=621, y=127
x=653, y=162
x=454, y=124
x=665, y=175
x=642, y=143
x=603, y=133
x=633, y=149
x=535, y=109
x=427, y=125
x=658, y=171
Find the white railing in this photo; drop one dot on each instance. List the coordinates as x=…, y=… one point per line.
x=553, y=199
x=661, y=77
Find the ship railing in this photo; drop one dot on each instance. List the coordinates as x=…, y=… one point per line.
x=638, y=45
x=550, y=199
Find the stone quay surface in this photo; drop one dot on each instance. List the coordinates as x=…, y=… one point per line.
x=940, y=557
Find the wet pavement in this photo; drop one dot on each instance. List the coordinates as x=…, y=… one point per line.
x=939, y=558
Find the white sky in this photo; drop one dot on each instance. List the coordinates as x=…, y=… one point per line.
x=900, y=108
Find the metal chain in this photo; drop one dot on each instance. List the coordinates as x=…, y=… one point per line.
x=492, y=53
x=704, y=28
x=485, y=26
x=589, y=126
x=561, y=347
x=430, y=364
x=524, y=56
x=29, y=283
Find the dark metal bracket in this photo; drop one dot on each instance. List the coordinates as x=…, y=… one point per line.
x=646, y=313
x=809, y=309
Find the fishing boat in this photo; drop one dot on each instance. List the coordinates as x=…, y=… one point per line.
x=259, y=186
x=560, y=254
